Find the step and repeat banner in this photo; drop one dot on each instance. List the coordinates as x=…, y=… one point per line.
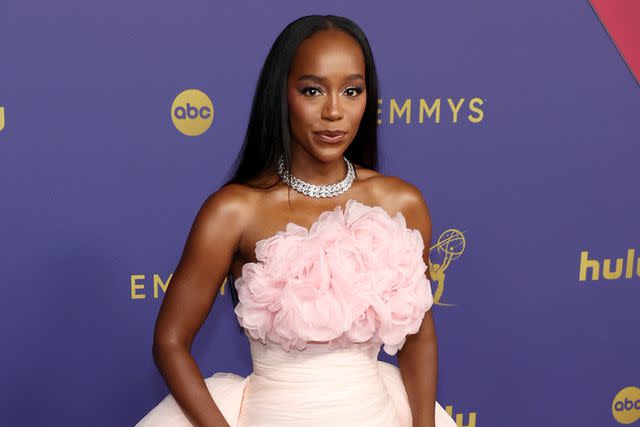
x=520, y=123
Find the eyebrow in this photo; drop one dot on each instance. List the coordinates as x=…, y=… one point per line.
x=321, y=79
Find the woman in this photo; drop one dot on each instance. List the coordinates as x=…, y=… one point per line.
x=326, y=274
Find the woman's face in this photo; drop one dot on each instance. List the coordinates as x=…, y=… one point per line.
x=326, y=93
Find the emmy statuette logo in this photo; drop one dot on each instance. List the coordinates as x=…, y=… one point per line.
x=449, y=247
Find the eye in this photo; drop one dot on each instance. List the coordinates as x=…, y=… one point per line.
x=310, y=90
x=354, y=91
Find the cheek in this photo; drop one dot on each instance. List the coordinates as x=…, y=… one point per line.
x=364, y=105
x=299, y=111
x=358, y=110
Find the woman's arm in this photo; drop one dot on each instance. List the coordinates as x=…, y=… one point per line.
x=418, y=362
x=195, y=283
x=418, y=358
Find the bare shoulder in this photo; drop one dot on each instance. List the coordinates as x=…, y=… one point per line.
x=393, y=193
x=398, y=194
x=229, y=207
x=227, y=200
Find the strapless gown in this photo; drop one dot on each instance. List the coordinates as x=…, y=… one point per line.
x=317, y=306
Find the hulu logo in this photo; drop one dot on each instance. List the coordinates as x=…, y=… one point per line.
x=460, y=417
x=622, y=265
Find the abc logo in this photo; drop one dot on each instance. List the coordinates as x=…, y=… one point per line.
x=626, y=405
x=192, y=112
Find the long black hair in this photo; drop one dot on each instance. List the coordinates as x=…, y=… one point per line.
x=268, y=134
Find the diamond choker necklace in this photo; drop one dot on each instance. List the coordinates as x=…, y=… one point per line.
x=313, y=190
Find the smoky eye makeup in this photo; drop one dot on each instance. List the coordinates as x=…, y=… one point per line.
x=357, y=89
x=310, y=90
x=315, y=90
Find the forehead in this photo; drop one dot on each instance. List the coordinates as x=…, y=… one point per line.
x=328, y=53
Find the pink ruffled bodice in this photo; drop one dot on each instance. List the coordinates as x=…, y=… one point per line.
x=355, y=276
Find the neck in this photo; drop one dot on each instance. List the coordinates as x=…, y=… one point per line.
x=317, y=172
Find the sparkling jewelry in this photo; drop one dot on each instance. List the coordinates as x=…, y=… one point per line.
x=313, y=190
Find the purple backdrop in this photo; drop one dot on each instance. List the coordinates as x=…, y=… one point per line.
x=98, y=188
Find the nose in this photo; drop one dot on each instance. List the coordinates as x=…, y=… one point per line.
x=332, y=108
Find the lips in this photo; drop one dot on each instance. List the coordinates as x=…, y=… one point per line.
x=330, y=136
x=330, y=133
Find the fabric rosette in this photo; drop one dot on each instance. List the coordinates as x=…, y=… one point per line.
x=356, y=275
